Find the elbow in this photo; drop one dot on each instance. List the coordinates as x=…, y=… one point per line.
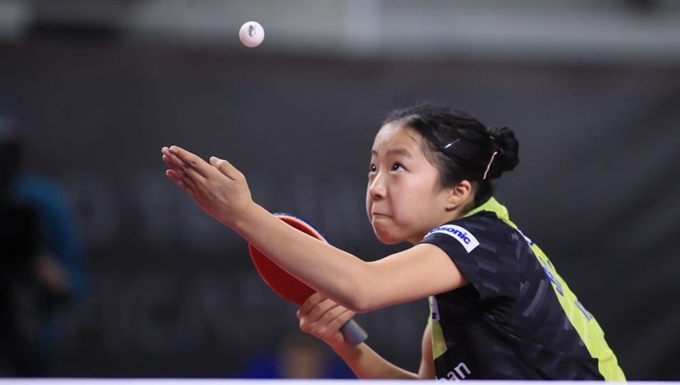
x=358, y=296
x=355, y=290
x=358, y=304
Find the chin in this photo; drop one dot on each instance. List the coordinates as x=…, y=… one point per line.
x=387, y=237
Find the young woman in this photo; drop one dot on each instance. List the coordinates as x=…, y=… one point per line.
x=499, y=308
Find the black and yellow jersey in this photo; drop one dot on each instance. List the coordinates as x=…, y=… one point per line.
x=517, y=319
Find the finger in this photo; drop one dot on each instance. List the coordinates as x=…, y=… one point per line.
x=309, y=304
x=225, y=168
x=341, y=319
x=178, y=180
x=172, y=162
x=319, y=311
x=182, y=168
x=175, y=177
x=332, y=321
x=191, y=160
x=181, y=173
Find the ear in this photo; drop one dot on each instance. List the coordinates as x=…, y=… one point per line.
x=458, y=195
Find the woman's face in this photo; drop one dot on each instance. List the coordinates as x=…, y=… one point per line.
x=404, y=199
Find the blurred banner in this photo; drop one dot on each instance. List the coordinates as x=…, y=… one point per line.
x=173, y=293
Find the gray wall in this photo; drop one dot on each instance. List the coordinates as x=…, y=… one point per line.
x=174, y=294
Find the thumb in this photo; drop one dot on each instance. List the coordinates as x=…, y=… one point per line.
x=225, y=167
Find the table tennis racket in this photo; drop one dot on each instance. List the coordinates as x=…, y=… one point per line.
x=290, y=288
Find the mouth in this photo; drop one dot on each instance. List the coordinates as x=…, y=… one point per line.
x=379, y=215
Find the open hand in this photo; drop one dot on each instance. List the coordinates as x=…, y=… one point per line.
x=218, y=188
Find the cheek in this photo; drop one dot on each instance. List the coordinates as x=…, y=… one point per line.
x=368, y=208
x=416, y=203
x=412, y=192
x=368, y=202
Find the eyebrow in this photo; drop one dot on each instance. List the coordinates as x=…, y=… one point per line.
x=396, y=151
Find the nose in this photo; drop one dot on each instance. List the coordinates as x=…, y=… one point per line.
x=376, y=188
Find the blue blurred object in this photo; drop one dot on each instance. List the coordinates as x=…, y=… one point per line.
x=50, y=269
x=298, y=356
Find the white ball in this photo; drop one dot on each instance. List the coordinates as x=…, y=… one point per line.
x=251, y=34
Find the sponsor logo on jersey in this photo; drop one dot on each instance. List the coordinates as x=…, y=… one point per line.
x=458, y=233
x=458, y=373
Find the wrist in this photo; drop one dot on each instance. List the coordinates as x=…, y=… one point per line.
x=344, y=349
x=243, y=218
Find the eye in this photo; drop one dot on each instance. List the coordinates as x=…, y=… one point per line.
x=372, y=168
x=397, y=166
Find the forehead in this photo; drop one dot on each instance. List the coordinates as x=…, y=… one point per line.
x=394, y=135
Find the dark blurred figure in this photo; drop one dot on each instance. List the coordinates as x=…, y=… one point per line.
x=40, y=261
x=298, y=356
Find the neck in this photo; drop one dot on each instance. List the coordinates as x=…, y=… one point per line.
x=449, y=215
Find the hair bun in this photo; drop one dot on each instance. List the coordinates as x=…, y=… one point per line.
x=508, y=157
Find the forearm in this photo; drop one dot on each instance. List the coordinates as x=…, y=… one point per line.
x=329, y=270
x=367, y=364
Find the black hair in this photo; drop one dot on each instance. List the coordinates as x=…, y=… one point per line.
x=461, y=147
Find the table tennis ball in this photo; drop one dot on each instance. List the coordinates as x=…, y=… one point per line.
x=251, y=34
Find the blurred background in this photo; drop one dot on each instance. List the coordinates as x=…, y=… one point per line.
x=108, y=270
